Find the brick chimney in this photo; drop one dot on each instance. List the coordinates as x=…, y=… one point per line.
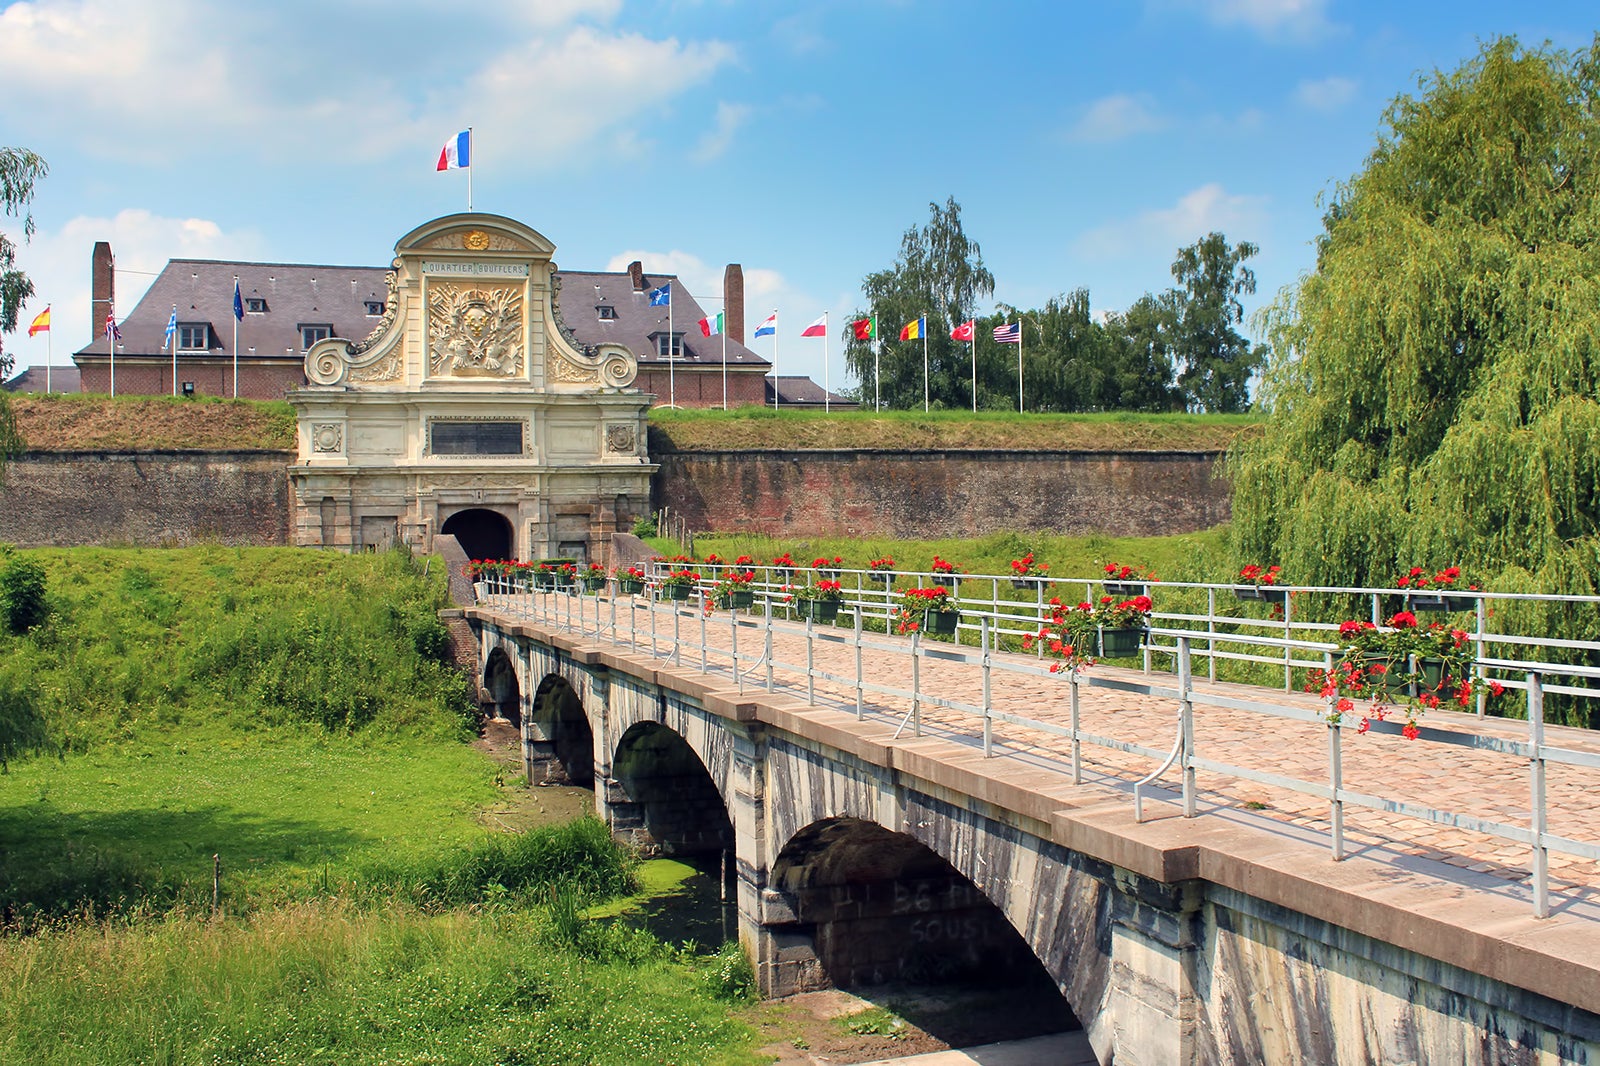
x=636, y=272
x=733, y=301
x=102, y=286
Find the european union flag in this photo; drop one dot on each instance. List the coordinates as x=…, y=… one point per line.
x=238, y=304
x=661, y=296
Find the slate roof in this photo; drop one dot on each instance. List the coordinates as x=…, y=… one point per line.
x=62, y=379
x=299, y=294
x=801, y=391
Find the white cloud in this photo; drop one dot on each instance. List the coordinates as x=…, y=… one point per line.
x=541, y=79
x=1166, y=229
x=1297, y=20
x=1113, y=118
x=714, y=142
x=1327, y=95
x=58, y=264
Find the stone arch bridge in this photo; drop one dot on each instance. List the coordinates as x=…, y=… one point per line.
x=863, y=856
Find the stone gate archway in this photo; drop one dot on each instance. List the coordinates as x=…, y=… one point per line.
x=502, y=694
x=482, y=533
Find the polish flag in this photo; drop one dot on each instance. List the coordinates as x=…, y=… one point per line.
x=819, y=328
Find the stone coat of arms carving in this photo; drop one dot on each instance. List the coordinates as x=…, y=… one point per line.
x=475, y=330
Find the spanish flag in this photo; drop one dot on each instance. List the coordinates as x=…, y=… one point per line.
x=41, y=324
x=912, y=330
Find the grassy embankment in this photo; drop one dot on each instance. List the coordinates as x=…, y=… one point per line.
x=291, y=712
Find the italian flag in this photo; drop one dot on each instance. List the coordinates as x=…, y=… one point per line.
x=710, y=327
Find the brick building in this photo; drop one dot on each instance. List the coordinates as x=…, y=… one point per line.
x=288, y=307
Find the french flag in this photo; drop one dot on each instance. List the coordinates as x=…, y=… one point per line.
x=457, y=152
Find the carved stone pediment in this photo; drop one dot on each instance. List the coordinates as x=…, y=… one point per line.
x=474, y=239
x=475, y=329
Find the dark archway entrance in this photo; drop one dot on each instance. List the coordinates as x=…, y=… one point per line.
x=885, y=916
x=482, y=534
x=672, y=807
x=562, y=745
x=503, y=696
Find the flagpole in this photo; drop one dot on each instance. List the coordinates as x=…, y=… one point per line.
x=1019, y=364
x=111, y=344
x=236, y=338
x=825, y=387
x=877, y=374
x=672, y=343
x=49, y=354
x=922, y=328
x=173, y=340
x=974, y=343
x=469, y=169
x=722, y=322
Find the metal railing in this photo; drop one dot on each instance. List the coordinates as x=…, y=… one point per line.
x=648, y=623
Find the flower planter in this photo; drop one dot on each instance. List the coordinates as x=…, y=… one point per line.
x=593, y=584
x=544, y=581
x=1120, y=643
x=1262, y=592
x=947, y=580
x=818, y=610
x=630, y=586
x=676, y=592
x=1028, y=583
x=782, y=574
x=1391, y=680
x=886, y=579
x=940, y=623
x=1441, y=601
x=1126, y=589
x=739, y=601
x=827, y=574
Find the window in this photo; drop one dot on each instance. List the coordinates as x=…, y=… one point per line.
x=255, y=305
x=375, y=308
x=194, y=336
x=311, y=334
x=669, y=344
x=607, y=312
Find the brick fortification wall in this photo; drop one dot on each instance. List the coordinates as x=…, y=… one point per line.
x=145, y=498
x=943, y=494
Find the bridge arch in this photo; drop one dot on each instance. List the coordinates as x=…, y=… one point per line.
x=666, y=800
x=502, y=688
x=561, y=739
x=879, y=907
x=482, y=533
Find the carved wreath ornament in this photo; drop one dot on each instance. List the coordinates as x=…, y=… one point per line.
x=475, y=332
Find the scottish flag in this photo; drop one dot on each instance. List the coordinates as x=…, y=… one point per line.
x=172, y=327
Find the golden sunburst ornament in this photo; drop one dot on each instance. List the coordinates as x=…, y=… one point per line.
x=475, y=240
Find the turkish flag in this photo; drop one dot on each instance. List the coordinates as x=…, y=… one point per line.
x=962, y=332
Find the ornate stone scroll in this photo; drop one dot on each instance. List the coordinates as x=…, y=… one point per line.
x=475, y=329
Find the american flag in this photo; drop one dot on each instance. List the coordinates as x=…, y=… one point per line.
x=1011, y=334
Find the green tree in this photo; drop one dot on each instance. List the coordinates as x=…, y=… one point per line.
x=1139, y=359
x=1434, y=385
x=1214, y=361
x=939, y=275
x=20, y=169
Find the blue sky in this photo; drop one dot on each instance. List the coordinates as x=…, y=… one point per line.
x=1086, y=142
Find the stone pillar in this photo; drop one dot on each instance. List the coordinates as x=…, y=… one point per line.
x=1153, y=1009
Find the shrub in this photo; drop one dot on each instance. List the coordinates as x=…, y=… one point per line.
x=22, y=599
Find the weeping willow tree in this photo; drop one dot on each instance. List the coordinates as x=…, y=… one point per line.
x=1433, y=390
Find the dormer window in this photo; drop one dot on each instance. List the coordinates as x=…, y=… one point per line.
x=607, y=312
x=669, y=344
x=375, y=308
x=194, y=336
x=255, y=305
x=311, y=334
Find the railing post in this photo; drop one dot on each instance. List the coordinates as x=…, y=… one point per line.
x=861, y=708
x=1186, y=709
x=1541, y=854
x=988, y=705
x=767, y=644
x=811, y=667
x=650, y=599
x=1211, y=631
x=700, y=599
x=1288, y=649
x=733, y=641
x=1077, y=744
x=677, y=632
x=1478, y=654
x=1335, y=764
x=916, y=682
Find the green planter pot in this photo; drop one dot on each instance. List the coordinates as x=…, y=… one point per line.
x=1126, y=589
x=940, y=623
x=742, y=600
x=1262, y=592
x=947, y=580
x=1026, y=583
x=593, y=584
x=544, y=581
x=676, y=592
x=1120, y=643
x=818, y=610
x=1391, y=681
x=630, y=586
x=1441, y=601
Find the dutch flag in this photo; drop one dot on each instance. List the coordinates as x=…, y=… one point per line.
x=457, y=152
